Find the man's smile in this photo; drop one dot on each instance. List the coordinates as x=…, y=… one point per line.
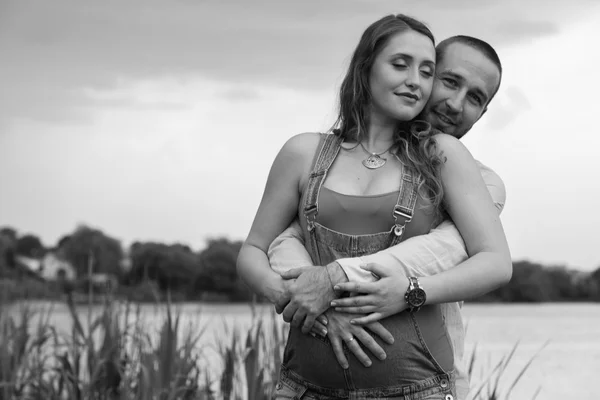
x=444, y=118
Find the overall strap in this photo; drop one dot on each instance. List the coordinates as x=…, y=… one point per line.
x=407, y=199
x=327, y=154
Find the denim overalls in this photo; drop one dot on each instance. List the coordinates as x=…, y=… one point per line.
x=310, y=369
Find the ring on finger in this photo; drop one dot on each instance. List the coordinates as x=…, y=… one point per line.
x=350, y=339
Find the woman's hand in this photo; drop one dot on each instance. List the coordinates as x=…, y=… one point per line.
x=379, y=299
x=339, y=329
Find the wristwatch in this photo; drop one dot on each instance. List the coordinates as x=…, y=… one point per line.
x=415, y=295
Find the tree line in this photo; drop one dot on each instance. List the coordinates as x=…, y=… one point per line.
x=152, y=270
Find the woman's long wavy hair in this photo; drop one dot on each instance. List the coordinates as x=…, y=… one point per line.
x=414, y=144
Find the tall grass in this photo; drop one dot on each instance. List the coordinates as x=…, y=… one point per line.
x=113, y=355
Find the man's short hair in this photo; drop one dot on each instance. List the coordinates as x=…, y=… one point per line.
x=485, y=48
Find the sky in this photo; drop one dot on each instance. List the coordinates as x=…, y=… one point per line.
x=159, y=120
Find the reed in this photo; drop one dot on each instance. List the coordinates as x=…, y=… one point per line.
x=109, y=354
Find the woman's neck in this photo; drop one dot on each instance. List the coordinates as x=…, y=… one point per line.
x=380, y=133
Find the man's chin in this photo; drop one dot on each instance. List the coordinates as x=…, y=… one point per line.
x=437, y=123
x=443, y=128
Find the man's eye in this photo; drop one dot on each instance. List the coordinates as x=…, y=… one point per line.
x=475, y=99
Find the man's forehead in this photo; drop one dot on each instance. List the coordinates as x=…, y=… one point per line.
x=471, y=65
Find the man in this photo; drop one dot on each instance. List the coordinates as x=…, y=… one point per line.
x=468, y=75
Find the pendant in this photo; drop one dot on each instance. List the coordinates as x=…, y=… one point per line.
x=374, y=162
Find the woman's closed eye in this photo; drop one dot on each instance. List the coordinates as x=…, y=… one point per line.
x=427, y=73
x=450, y=82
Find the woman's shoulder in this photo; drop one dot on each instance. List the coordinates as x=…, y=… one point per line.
x=448, y=145
x=303, y=144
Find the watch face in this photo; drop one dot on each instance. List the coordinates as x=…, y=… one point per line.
x=416, y=297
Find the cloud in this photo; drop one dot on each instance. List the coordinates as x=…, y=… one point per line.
x=53, y=49
x=240, y=94
x=510, y=103
x=523, y=30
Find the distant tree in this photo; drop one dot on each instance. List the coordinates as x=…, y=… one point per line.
x=87, y=245
x=219, y=269
x=172, y=267
x=63, y=240
x=532, y=282
x=594, y=285
x=8, y=239
x=9, y=232
x=29, y=246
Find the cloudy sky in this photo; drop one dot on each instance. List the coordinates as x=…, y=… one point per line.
x=159, y=120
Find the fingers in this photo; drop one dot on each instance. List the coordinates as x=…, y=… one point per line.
x=336, y=343
x=309, y=322
x=298, y=319
x=319, y=329
x=354, y=301
x=289, y=312
x=281, y=303
x=377, y=270
x=322, y=319
x=356, y=310
x=367, y=319
x=367, y=340
x=380, y=331
x=355, y=348
x=357, y=287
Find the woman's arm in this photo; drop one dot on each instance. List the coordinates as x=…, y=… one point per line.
x=470, y=206
x=277, y=209
x=476, y=217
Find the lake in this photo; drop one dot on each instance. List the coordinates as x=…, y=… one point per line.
x=566, y=368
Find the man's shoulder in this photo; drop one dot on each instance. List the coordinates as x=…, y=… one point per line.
x=494, y=183
x=487, y=171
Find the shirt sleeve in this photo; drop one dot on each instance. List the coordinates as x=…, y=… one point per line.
x=424, y=255
x=494, y=184
x=287, y=250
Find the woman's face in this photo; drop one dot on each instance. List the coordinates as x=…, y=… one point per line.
x=401, y=77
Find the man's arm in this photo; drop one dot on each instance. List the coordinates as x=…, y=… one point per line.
x=287, y=250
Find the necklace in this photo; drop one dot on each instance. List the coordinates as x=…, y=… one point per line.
x=374, y=160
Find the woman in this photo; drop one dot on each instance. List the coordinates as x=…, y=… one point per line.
x=375, y=146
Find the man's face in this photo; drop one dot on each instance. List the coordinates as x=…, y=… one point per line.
x=464, y=84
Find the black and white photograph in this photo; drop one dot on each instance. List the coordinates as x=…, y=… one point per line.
x=317, y=200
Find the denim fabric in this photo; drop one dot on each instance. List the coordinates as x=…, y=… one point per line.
x=310, y=369
x=291, y=386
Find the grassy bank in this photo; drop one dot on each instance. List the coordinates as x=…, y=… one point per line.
x=113, y=355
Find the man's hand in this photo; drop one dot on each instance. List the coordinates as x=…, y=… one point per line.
x=379, y=299
x=278, y=294
x=340, y=330
x=311, y=292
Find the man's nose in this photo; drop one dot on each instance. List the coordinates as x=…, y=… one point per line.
x=455, y=103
